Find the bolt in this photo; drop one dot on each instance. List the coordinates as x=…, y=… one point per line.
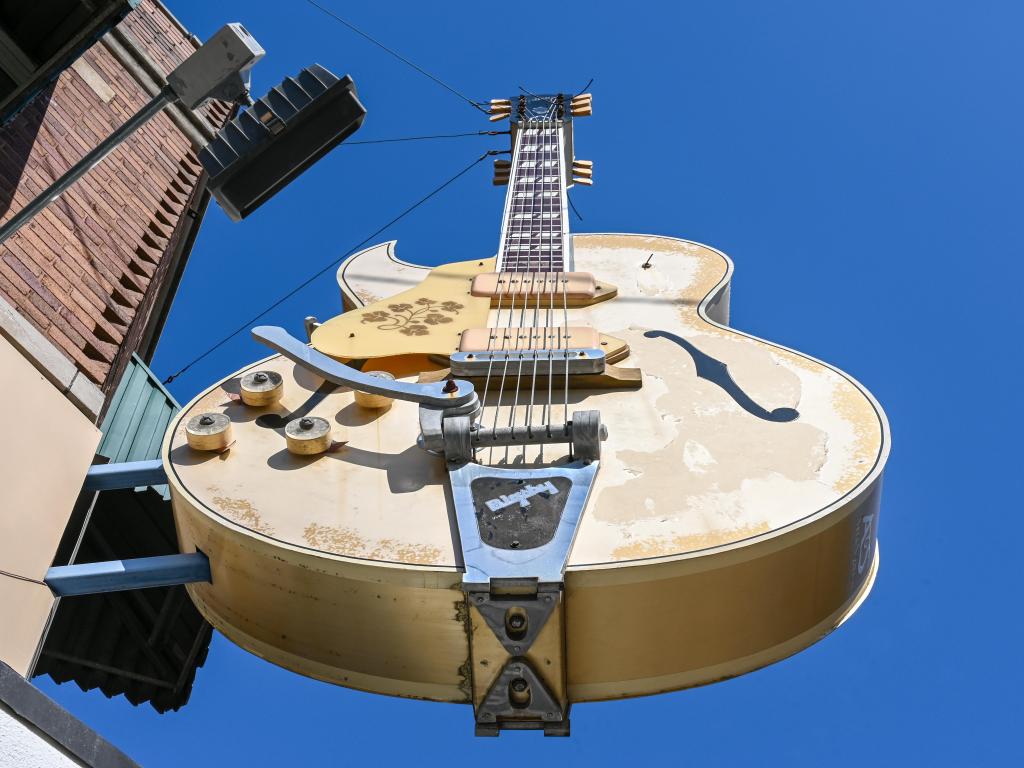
x=260, y=378
x=306, y=423
x=479, y=598
x=516, y=649
x=519, y=685
x=206, y=420
x=450, y=387
x=549, y=715
x=515, y=544
x=517, y=621
x=547, y=598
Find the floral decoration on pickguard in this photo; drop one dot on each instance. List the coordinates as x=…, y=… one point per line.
x=413, y=319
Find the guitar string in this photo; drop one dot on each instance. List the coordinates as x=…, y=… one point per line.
x=536, y=314
x=539, y=176
x=504, y=283
x=565, y=302
x=554, y=275
x=516, y=345
x=534, y=182
x=514, y=192
x=549, y=324
x=545, y=239
x=535, y=185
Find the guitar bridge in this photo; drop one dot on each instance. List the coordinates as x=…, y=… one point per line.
x=533, y=362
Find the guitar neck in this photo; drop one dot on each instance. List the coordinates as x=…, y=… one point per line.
x=535, y=226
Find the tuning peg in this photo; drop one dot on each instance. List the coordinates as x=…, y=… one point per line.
x=583, y=171
x=502, y=169
x=582, y=105
x=500, y=109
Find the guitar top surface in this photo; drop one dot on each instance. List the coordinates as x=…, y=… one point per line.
x=729, y=438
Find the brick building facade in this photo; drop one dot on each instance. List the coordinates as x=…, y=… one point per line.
x=94, y=272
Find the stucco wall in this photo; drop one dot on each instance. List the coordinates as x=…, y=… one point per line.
x=23, y=746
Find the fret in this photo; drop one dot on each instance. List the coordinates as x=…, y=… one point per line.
x=534, y=229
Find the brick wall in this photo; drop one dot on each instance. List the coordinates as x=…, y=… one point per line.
x=84, y=272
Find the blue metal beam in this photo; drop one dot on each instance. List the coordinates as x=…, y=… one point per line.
x=120, y=575
x=130, y=474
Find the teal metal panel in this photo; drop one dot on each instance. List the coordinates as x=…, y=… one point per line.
x=138, y=417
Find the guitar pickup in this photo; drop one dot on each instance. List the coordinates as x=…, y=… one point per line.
x=520, y=286
x=528, y=362
x=523, y=338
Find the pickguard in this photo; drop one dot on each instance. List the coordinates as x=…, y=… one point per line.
x=427, y=319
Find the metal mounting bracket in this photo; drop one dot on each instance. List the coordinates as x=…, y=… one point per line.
x=519, y=700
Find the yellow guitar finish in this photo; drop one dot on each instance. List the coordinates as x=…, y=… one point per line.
x=425, y=320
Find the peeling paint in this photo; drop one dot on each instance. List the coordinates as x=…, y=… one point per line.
x=242, y=512
x=465, y=670
x=345, y=541
x=655, y=547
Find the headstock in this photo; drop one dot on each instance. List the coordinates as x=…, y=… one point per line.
x=557, y=109
x=530, y=107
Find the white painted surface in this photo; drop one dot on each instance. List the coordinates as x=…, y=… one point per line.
x=22, y=746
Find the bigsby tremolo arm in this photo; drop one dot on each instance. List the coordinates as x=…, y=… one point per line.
x=451, y=394
x=448, y=409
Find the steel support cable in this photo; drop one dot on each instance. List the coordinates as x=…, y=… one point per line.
x=334, y=262
x=423, y=138
x=398, y=56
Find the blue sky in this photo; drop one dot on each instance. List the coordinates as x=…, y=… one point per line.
x=860, y=162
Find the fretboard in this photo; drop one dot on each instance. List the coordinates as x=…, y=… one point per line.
x=534, y=232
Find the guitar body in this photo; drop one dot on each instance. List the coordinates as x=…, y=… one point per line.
x=732, y=523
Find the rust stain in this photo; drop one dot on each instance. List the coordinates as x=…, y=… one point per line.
x=241, y=511
x=404, y=552
x=332, y=538
x=345, y=541
x=465, y=670
x=856, y=410
x=657, y=547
